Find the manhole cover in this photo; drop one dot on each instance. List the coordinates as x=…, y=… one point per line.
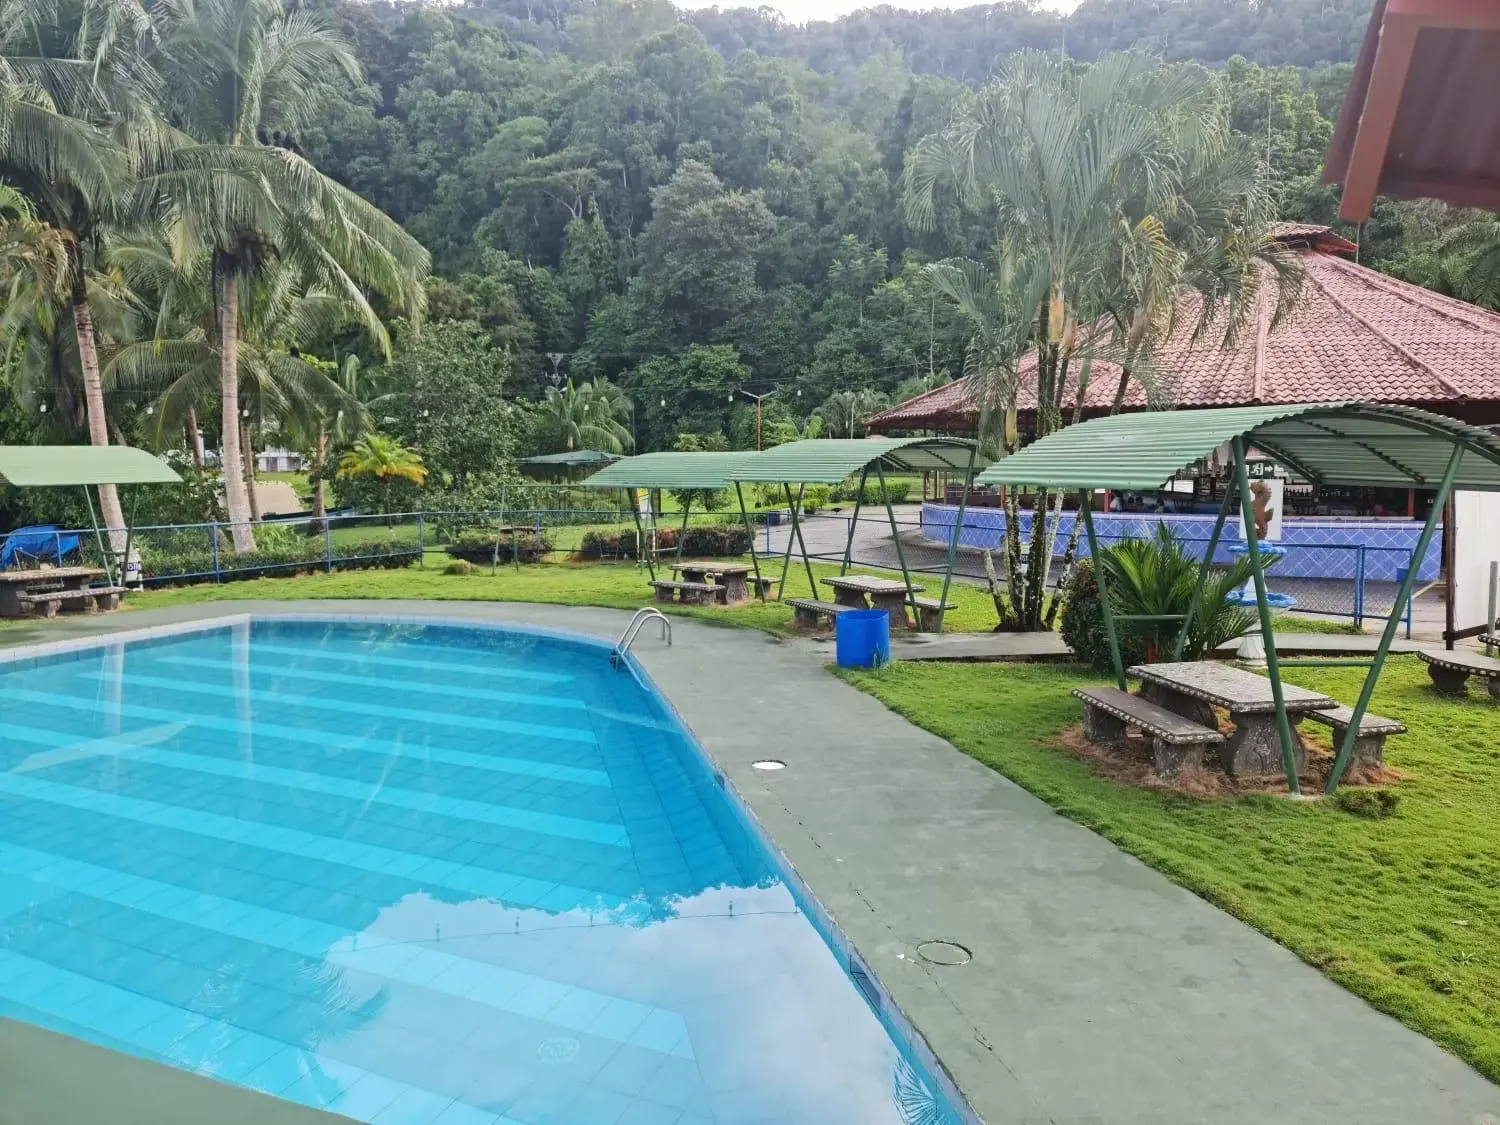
x=557, y=1050
x=944, y=953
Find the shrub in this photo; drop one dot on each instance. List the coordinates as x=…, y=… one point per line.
x=814, y=498
x=1155, y=578
x=1083, y=623
x=476, y=546
x=283, y=552
x=706, y=542
x=458, y=566
x=897, y=490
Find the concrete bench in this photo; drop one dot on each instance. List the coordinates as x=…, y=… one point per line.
x=689, y=593
x=761, y=587
x=1450, y=671
x=1107, y=711
x=927, y=612
x=1369, y=745
x=808, y=613
x=84, y=600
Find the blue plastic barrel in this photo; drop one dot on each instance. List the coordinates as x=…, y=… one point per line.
x=863, y=638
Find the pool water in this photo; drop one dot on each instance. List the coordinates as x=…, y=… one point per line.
x=416, y=874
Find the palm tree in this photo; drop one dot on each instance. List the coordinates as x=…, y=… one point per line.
x=282, y=387
x=593, y=416
x=67, y=70
x=242, y=69
x=386, y=460
x=844, y=413
x=1116, y=186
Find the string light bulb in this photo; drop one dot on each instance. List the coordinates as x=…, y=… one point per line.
x=42, y=408
x=663, y=403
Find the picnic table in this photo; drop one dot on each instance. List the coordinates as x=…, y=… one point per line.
x=51, y=588
x=731, y=576
x=1193, y=689
x=888, y=594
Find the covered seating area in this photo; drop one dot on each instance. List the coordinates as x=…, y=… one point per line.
x=801, y=463
x=1335, y=443
x=29, y=588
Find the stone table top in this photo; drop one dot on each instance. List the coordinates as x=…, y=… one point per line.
x=1228, y=686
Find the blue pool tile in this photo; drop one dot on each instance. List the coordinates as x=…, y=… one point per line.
x=376, y=886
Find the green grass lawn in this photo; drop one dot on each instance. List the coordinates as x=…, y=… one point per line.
x=1404, y=911
x=615, y=585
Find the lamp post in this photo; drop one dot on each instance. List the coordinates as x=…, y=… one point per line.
x=758, y=399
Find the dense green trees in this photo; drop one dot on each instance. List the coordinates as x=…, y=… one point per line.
x=685, y=205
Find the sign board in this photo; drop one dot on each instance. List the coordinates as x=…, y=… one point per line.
x=1476, y=544
x=1267, y=491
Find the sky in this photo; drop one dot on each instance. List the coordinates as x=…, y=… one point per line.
x=802, y=11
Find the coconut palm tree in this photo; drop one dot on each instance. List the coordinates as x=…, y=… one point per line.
x=75, y=98
x=593, y=416
x=241, y=70
x=282, y=387
x=844, y=413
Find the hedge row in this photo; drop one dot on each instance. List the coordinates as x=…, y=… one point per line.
x=697, y=542
x=477, y=546
x=173, y=567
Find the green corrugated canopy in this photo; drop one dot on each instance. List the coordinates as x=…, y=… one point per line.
x=572, y=458
x=1328, y=443
x=668, y=470
x=830, y=460
x=39, y=466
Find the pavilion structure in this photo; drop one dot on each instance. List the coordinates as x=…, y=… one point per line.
x=1421, y=118
x=1355, y=334
x=1332, y=442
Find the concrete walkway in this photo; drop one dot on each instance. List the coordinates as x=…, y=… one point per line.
x=1099, y=991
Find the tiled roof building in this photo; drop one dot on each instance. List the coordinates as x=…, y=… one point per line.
x=1355, y=334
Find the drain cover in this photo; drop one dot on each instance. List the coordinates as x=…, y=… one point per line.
x=561, y=1049
x=768, y=764
x=944, y=953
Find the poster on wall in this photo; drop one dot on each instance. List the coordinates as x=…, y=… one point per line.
x=1475, y=545
x=1266, y=493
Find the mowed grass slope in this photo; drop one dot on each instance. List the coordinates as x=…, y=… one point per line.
x=1404, y=911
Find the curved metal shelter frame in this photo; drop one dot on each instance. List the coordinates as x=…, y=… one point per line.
x=70, y=466
x=681, y=472
x=832, y=460
x=1348, y=443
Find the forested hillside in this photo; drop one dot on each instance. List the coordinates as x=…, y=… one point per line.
x=694, y=203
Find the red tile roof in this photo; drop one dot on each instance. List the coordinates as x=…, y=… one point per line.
x=1355, y=334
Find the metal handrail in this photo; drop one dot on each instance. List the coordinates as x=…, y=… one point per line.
x=627, y=638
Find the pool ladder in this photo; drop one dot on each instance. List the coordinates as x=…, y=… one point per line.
x=633, y=630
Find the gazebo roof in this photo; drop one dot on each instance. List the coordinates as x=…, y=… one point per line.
x=1355, y=334
x=40, y=466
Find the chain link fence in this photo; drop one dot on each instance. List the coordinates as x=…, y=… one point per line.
x=1357, y=582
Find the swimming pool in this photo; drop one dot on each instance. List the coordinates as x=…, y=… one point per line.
x=418, y=874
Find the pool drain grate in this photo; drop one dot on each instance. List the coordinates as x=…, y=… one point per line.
x=940, y=952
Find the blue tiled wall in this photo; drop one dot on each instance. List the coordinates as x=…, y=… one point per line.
x=1316, y=548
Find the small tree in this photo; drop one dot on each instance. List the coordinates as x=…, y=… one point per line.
x=385, y=459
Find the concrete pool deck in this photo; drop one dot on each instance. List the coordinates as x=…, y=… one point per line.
x=1098, y=992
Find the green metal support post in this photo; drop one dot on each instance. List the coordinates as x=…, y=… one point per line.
x=1403, y=597
x=1110, y=634
x=104, y=552
x=687, y=506
x=801, y=542
x=890, y=513
x=760, y=587
x=958, y=528
x=786, y=558
x=1263, y=608
x=640, y=533
x=859, y=498
x=1208, y=563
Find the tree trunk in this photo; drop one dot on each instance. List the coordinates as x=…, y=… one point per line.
x=93, y=393
x=319, y=500
x=236, y=501
x=194, y=448
x=247, y=453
